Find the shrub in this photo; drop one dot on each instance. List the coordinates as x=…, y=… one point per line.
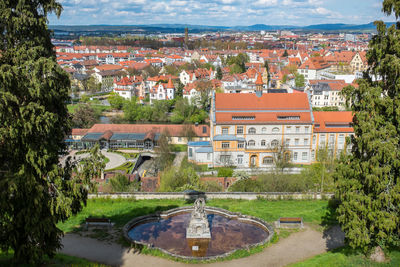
x=247, y=185
x=225, y=172
x=211, y=186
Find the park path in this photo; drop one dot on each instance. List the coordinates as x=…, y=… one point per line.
x=178, y=159
x=116, y=160
x=297, y=247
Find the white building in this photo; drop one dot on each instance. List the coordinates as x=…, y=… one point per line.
x=162, y=91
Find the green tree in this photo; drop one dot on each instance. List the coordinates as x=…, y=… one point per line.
x=36, y=192
x=91, y=85
x=91, y=168
x=84, y=116
x=299, y=80
x=179, y=89
x=266, y=66
x=368, y=178
x=163, y=151
x=219, y=73
x=121, y=183
x=116, y=101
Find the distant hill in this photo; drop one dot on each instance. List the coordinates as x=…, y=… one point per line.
x=179, y=28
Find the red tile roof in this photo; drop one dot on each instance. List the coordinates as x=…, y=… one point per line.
x=173, y=129
x=265, y=102
x=333, y=121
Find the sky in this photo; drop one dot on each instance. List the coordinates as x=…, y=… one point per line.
x=219, y=12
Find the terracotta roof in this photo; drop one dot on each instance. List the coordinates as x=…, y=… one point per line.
x=259, y=80
x=315, y=63
x=333, y=121
x=79, y=131
x=265, y=102
x=173, y=129
x=170, y=84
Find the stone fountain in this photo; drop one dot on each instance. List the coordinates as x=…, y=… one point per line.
x=198, y=224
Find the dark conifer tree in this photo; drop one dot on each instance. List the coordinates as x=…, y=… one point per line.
x=369, y=178
x=36, y=192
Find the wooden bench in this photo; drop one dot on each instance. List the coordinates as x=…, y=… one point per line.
x=290, y=222
x=98, y=222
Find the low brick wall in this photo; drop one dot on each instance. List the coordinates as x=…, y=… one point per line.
x=224, y=195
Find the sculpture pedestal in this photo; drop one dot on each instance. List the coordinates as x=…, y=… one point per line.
x=198, y=246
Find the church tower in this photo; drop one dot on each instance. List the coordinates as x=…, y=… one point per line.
x=259, y=85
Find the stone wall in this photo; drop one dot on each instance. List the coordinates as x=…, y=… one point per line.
x=224, y=195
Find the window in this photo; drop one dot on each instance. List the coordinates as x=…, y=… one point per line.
x=288, y=129
x=275, y=130
x=297, y=129
x=306, y=141
x=295, y=156
x=287, y=142
x=268, y=161
x=190, y=152
x=240, y=144
x=179, y=139
x=225, y=130
x=204, y=129
x=208, y=156
x=263, y=143
x=225, y=144
x=306, y=129
x=252, y=130
x=322, y=140
x=225, y=159
x=314, y=139
x=242, y=118
x=304, y=156
x=264, y=129
x=341, y=139
x=313, y=155
x=291, y=118
x=240, y=159
x=275, y=143
x=251, y=143
x=296, y=141
x=239, y=130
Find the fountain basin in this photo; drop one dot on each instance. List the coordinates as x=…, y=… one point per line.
x=166, y=231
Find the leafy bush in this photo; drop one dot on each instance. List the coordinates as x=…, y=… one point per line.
x=211, y=186
x=121, y=183
x=247, y=185
x=176, y=180
x=225, y=172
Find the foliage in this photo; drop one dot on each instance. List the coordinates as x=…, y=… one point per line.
x=326, y=109
x=121, y=183
x=84, y=116
x=242, y=175
x=180, y=179
x=237, y=63
x=164, y=156
x=36, y=192
x=225, y=172
x=91, y=168
x=211, y=186
x=116, y=101
x=285, y=54
x=219, y=75
x=158, y=112
x=58, y=260
x=275, y=182
x=266, y=66
x=299, y=80
x=91, y=85
x=281, y=157
x=368, y=179
x=184, y=111
x=346, y=257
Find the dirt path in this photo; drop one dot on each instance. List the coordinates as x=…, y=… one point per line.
x=296, y=247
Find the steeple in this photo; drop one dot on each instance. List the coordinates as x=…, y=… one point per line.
x=170, y=85
x=259, y=85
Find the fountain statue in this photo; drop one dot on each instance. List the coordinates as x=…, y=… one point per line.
x=198, y=224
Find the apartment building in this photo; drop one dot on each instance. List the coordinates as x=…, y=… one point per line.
x=249, y=130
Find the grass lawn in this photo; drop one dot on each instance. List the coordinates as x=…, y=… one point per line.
x=98, y=108
x=345, y=257
x=120, y=211
x=126, y=167
x=178, y=148
x=58, y=260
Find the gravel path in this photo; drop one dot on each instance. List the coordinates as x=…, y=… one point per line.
x=297, y=247
x=116, y=160
x=178, y=159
